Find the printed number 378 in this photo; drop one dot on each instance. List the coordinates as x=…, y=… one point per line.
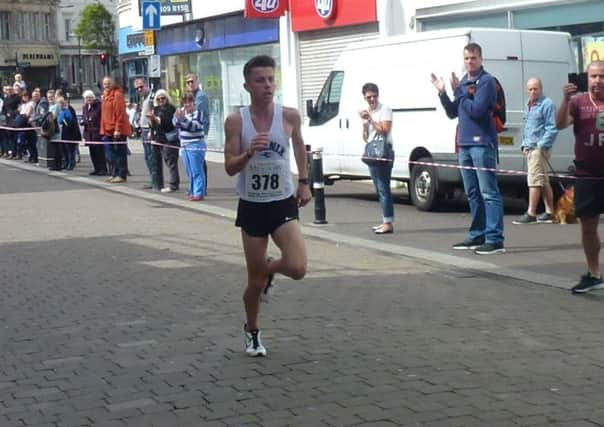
x=265, y=181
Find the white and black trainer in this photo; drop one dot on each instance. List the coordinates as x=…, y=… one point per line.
x=253, y=344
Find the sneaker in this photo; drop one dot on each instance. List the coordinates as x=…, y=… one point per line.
x=117, y=180
x=166, y=190
x=525, y=219
x=469, y=244
x=267, y=292
x=545, y=218
x=253, y=344
x=587, y=283
x=490, y=249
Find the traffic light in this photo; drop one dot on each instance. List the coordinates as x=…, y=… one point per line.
x=103, y=58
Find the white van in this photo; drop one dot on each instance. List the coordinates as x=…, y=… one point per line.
x=421, y=131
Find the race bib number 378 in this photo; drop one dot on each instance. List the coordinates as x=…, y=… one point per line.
x=264, y=181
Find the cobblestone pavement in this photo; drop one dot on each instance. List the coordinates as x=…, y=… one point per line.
x=119, y=311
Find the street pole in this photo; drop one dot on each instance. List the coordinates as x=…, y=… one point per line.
x=80, y=64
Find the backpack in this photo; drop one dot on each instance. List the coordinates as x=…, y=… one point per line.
x=47, y=125
x=499, y=114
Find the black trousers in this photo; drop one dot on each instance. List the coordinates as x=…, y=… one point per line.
x=171, y=160
x=97, y=156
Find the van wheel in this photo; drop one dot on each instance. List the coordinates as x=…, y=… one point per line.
x=424, y=189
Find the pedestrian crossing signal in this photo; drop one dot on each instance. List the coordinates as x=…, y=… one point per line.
x=103, y=58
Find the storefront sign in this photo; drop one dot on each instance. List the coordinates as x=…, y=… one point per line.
x=171, y=7
x=265, y=8
x=149, y=38
x=36, y=58
x=593, y=50
x=326, y=9
x=310, y=15
x=130, y=41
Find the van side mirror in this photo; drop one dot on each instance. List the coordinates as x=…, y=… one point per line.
x=310, y=110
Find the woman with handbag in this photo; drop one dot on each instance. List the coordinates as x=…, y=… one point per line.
x=379, y=156
x=164, y=132
x=91, y=121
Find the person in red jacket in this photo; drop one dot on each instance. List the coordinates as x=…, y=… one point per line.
x=115, y=127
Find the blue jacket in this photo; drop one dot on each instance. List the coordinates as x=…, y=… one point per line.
x=474, y=110
x=540, y=125
x=202, y=102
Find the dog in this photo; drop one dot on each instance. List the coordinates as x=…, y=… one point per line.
x=565, y=208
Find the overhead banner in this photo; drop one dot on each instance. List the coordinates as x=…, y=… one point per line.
x=170, y=7
x=264, y=9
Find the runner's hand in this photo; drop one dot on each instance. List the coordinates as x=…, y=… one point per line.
x=303, y=195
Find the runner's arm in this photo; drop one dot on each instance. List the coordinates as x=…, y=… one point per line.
x=234, y=159
x=303, y=193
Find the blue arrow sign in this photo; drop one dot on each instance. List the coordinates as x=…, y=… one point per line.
x=151, y=15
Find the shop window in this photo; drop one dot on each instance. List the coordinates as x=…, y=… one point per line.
x=4, y=25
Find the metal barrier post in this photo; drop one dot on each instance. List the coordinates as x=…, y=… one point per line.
x=318, y=186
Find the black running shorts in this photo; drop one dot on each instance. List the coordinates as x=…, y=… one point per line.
x=262, y=219
x=589, y=197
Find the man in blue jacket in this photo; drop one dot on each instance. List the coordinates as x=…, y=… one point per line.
x=539, y=134
x=474, y=101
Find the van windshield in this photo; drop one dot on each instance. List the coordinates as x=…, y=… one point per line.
x=328, y=102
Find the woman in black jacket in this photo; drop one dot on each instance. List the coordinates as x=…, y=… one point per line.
x=164, y=132
x=91, y=120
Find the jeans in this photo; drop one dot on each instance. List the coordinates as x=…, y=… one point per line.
x=69, y=155
x=171, y=160
x=381, y=180
x=119, y=157
x=482, y=191
x=193, y=156
x=148, y=152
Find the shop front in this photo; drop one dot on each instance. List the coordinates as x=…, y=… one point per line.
x=216, y=49
x=583, y=19
x=324, y=28
x=38, y=65
x=133, y=59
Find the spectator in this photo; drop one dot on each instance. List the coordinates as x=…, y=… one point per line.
x=152, y=157
x=189, y=120
x=7, y=92
x=91, y=122
x=115, y=128
x=539, y=134
x=475, y=98
x=586, y=113
x=377, y=122
x=40, y=110
x=26, y=112
x=19, y=80
x=164, y=132
x=202, y=103
x=11, y=111
x=70, y=131
x=55, y=139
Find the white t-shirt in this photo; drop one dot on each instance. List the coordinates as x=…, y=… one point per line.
x=382, y=113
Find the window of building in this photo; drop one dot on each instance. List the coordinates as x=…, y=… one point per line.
x=4, y=25
x=46, y=34
x=19, y=26
x=221, y=76
x=67, y=29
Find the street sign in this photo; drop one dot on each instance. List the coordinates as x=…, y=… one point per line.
x=149, y=50
x=154, y=66
x=151, y=15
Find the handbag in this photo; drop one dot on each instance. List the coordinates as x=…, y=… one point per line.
x=172, y=136
x=378, y=152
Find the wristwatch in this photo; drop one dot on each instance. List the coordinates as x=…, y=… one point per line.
x=303, y=181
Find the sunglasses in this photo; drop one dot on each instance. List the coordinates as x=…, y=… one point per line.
x=190, y=82
x=139, y=87
x=161, y=98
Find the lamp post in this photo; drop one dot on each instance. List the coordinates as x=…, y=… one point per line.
x=80, y=68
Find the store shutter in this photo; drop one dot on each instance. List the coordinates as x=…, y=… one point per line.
x=319, y=51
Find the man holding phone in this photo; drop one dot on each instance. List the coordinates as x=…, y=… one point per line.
x=586, y=113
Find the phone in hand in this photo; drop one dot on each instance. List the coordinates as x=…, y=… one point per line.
x=579, y=80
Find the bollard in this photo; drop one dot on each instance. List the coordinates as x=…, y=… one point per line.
x=318, y=186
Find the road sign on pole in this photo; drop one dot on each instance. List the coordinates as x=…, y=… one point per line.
x=151, y=15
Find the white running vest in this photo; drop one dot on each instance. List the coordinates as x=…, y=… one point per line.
x=267, y=176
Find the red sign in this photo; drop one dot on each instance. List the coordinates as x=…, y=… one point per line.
x=259, y=9
x=318, y=14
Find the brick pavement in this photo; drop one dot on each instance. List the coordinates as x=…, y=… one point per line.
x=127, y=312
